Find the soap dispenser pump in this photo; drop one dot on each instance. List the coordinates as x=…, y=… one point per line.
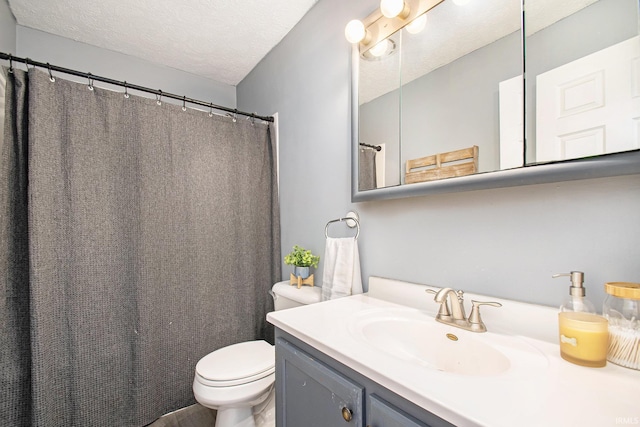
x=583, y=334
x=576, y=301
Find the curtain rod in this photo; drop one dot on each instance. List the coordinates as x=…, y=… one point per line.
x=184, y=99
x=375, y=147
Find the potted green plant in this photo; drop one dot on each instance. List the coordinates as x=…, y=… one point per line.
x=301, y=259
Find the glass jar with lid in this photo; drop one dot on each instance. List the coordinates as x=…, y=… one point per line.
x=622, y=308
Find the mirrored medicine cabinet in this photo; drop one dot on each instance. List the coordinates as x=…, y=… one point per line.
x=498, y=94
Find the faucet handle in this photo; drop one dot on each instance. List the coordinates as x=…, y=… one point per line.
x=491, y=303
x=474, y=318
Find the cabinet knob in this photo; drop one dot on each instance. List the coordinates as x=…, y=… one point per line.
x=347, y=414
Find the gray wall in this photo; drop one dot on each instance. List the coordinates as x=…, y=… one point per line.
x=502, y=242
x=379, y=125
x=64, y=52
x=7, y=29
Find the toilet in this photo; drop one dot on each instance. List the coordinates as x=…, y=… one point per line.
x=238, y=380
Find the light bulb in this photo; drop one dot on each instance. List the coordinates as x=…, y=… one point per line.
x=355, y=31
x=461, y=2
x=417, y=24
x=380, y=49
x=392, y=8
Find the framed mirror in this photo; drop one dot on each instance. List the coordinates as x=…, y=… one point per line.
x=457, y=87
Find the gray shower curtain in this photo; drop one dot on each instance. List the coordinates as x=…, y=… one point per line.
x=136, y=238
x=367, y=169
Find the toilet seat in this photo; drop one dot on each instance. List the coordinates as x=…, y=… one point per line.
x=236, y=364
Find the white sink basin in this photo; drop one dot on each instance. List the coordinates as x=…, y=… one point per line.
x=415, y=337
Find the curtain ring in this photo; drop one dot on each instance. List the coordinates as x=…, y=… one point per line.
x=53, y=79
x=252, y=119
x=26, y=61
x=126, y=92
x=10, y=63
x=184, y=103
x=90, y=86
x=235, y=115
x=211, y=109
x=159, y=97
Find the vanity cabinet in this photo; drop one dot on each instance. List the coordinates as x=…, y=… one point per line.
x=383, y=414
x=314, y=390
x=309, y=393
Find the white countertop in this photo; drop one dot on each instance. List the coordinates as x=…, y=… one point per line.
x=558, y=394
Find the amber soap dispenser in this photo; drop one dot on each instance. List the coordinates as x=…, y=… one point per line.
x=584, y=336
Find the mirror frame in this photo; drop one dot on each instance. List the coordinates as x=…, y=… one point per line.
x=606, y=165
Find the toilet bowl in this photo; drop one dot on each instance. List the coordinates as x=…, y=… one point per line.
x=234, y=379
x=238, y=380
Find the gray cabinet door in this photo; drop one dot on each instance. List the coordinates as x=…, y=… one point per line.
x=310, y=394
x=383, y=414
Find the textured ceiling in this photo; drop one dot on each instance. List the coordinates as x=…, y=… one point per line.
x=219, y=39
x=225, y=39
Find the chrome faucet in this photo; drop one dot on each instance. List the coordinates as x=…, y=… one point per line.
x=456, y=301
x=456, y=316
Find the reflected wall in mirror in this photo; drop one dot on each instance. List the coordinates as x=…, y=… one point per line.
x=582, y=78
x=379, y=95
x=438, y=91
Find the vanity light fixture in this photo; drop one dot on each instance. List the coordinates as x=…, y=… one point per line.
x=393, y=8
x=355, y=32
x=417, y=25
x=393, y=15
x=381, y=48
x=385, y=48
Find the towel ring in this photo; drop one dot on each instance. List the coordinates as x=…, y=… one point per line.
x=326, y=228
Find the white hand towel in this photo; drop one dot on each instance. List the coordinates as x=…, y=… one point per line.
x=341, y=274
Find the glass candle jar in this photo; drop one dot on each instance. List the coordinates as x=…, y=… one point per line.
x=622, y=308
x=583, y=338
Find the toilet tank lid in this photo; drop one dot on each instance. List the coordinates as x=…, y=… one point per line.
x=304, y=295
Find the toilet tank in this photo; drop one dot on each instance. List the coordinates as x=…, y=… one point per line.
x=286, y=295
